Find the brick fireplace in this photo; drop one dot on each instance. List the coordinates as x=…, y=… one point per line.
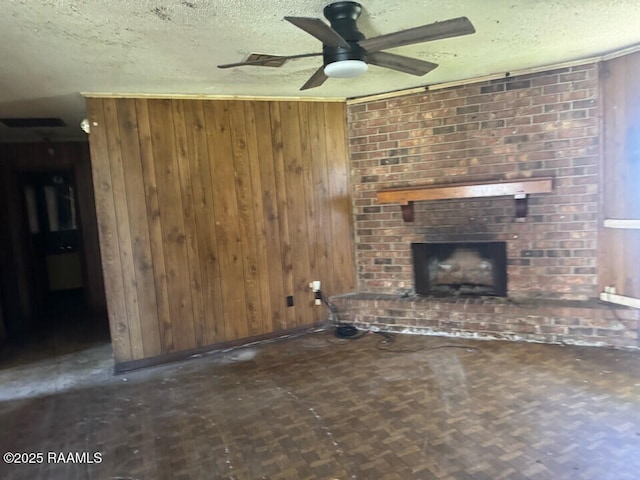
x=539, y=125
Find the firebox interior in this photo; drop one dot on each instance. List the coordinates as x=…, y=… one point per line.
x=460, y=268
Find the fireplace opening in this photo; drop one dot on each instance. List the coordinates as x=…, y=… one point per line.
x=460, y=268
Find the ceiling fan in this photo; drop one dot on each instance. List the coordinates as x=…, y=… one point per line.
x=347, y=53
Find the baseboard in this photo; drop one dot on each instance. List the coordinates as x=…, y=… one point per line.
x=171, y=357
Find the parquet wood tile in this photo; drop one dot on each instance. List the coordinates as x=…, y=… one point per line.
x=315, y=407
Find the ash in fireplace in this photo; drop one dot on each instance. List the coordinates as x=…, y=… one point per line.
x=465, y=271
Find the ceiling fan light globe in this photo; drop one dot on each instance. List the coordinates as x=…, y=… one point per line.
x=345, y=69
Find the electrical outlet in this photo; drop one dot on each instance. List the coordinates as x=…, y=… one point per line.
x=317, y=294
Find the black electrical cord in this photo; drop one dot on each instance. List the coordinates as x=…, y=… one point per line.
x=347, y=332
x=342, y=330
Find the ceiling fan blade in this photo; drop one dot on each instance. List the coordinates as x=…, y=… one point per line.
x=401, y=63
x=269, y=58
x=320, y=30
x=425, y=33
x=317, y=79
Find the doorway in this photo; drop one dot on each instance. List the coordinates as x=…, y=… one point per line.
x=63, y=321
x=50, y=206
x=51, y=280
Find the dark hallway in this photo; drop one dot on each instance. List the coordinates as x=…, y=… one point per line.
x=66, y=326
x=51, y=291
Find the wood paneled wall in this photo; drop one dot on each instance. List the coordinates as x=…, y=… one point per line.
x=211, y=213
x=619, y=249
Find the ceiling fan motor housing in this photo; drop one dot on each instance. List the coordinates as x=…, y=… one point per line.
x=342, y=16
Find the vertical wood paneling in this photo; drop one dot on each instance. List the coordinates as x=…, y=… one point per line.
x=190, y=229
x=120, y=192
x=136, y=204
x=198, y=158
x=108, y=233
x=28, y=299
x=296, y=207
x=279, y=175
x=613, y=266
x=276, y=320
x=3, y=333
x=341, y=218
x=94, y=283
x=147, y=161
x=174, y=236
x=310, y=235
x=619, y=250
x=223, y=209
x=8, y=289
x=258, y=228
x=321, y=229
x=246, y=219
x=226, y=214
x=630, y=240
x=15, y=267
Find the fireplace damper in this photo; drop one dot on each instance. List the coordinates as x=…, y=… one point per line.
x=460, y=268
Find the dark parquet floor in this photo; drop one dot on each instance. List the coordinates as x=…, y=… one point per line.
x=315, y=407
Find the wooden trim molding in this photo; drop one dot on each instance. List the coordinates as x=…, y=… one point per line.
x=177, y=96
x=620, y=299
x=633, y=224
x=405, y=196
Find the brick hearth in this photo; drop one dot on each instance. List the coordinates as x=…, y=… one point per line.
x=544, y=320
x=539, y=125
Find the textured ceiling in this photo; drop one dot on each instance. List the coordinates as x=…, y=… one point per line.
x=51, y=50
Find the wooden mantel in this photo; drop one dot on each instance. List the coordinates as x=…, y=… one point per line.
x=405, y=196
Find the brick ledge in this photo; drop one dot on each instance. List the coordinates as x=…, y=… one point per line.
x=540, y=320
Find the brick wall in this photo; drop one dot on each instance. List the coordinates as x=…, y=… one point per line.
x=537, y=125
